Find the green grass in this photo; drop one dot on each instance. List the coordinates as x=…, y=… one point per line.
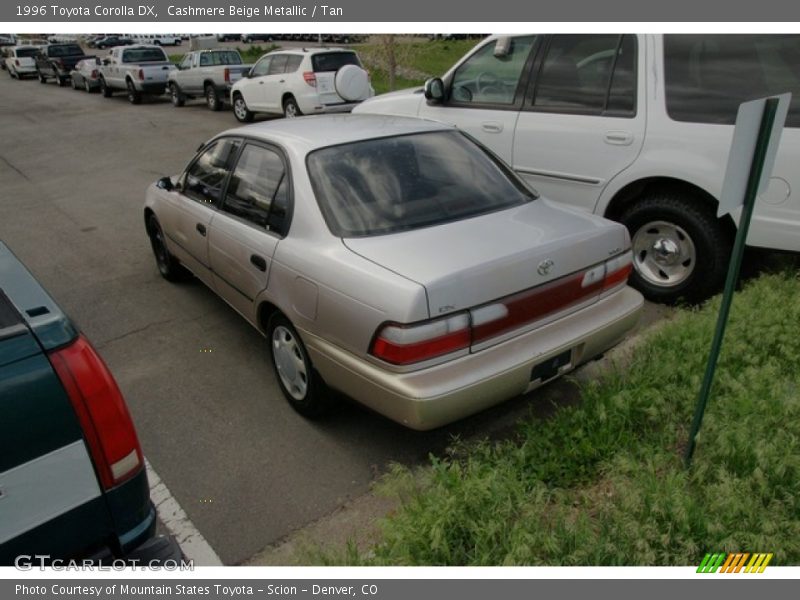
x=603, y=483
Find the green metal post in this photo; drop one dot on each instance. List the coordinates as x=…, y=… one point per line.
x=756, y=168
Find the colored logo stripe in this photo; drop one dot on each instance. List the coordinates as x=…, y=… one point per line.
x=734, y=562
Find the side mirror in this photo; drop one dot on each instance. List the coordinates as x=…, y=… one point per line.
x=502, y=47
x=434, y=90
x=165, y=183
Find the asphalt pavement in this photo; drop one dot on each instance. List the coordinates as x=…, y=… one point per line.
x=243, y=465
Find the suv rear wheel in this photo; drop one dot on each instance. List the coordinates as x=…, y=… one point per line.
x=290, y=108
x=680, y=249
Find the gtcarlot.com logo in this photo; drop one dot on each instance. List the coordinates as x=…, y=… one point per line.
x=735, y=562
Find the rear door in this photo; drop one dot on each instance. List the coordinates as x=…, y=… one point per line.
x=271, y=86
x=583, y=118
x=485, y=93
x=249, y=226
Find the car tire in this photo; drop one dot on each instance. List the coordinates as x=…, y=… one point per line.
x=62, y=81
x=134, y=96
x=176, y=96
x=42, y=78
x=299, y=381
x=104, y=89
x=213, y=101
x=680, y=249
x=290, y=108
x=240, y=110
x=87, y=86
x=169, y=266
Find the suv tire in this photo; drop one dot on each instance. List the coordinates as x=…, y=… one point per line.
x=240, y=110
x=290, y=108
x=680, y=249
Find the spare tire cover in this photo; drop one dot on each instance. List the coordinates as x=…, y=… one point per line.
x=352, y=83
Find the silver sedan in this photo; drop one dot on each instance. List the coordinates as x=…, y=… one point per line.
x=394, y=260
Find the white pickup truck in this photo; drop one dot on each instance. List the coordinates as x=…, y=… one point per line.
x=140, y=70
x=206, y=74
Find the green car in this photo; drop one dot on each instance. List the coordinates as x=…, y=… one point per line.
x=73, y=483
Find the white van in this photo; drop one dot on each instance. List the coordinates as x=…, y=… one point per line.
x=633, y=127
x=157, y=39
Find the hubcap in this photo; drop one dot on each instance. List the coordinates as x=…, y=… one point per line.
x=212, y=99
x=240, y=109
x=289, y=362
x=291, y=111
x=663, y=253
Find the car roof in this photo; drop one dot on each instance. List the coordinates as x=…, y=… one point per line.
x=310, y=133
x=310, y=51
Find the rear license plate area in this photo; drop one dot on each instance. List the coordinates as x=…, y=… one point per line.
x=552, y=367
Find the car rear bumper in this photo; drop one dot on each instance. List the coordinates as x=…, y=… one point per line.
x=154, y=89
x=438, y=395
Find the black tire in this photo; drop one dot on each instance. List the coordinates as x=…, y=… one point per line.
x=104, y=89
x=240, y=110
x=290, y=108
x=680, y=249
x=62, y=81
x=213, y=101
x=299, y=381
x=134, y=96
x=42, y=78
x=177, y=97
x=169, y=266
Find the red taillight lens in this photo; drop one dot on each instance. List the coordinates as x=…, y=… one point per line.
x=310, y=78
x=227, y=75
x=406, y=344
x=101, y=410
x=141, y=74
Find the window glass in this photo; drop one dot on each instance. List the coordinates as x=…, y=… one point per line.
x=137, y=55
x=186, y=63
x=333, y=61
x=205, y=178
x=708, y=76
x=278, y=64
x=622, y=95
x=253, y=185
x=293, y=63
x=65, y=50
x=27, y=52
x=262, y=66
x=487, y=78
x=205, y=59
x=408, y=182
x=576, y=72
x=224, y=57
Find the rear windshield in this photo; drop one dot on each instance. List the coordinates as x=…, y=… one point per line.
x=64, y=50
x=708, y=76
x=224, y=57
x=27, y=52
x=333, y=61
x=137, y=55
x=408, y=182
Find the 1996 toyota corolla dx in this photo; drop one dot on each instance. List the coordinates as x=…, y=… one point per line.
x=394, y=260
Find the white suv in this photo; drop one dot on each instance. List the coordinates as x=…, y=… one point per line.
x=633, y=127
x=301, y=81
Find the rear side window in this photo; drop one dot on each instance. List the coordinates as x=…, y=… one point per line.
x=278, y=64
x=255, y=184
x=708, y=76
x=588, y=74
x=333, y=61
x=293, y=63
x=27, y=52
x=65, y=50
x=408, y=182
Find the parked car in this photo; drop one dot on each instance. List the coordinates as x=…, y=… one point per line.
x=633, y=127
x=302, y=81
x=229, y=37
x=207, y=74
x=249, y=38
x=394, y=260
x=110, y=41
x=139, y=70
x=20, y=61
x=72, y=473
x=157, y=39
x=56, y=61
x=86, y=74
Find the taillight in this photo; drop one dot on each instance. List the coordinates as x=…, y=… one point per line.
x=406, y=344
x=311, y=78
x=227, y=75
x=101, y=411
x=141, y=74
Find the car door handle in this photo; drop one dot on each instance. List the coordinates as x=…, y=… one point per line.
x=619, y=138
x=259, y=262
x=201, y=229
x=492, y=127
